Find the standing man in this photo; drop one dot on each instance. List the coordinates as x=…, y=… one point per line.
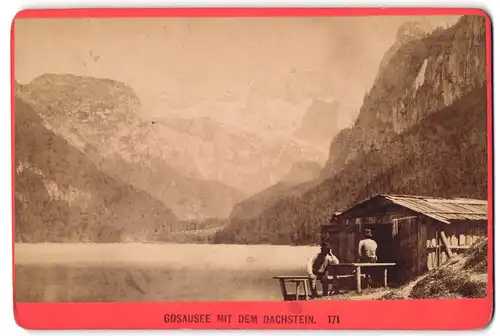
x=367, y=250
x=318, y=266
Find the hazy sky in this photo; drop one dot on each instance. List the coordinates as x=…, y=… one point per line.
x=176, y=61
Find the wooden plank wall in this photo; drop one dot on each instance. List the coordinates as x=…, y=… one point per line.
x=344, y=234
x=422, y=255
x=343, y=242
x=416, y=240
x=460, y=235
x=406, y=242
x=433, y=248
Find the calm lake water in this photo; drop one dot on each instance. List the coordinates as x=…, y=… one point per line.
x=154, y=272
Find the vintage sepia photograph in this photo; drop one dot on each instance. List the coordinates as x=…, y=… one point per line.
x=190, y=159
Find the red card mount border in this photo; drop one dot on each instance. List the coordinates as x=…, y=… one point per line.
x=452, y=314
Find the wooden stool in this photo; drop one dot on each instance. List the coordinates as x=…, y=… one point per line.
x=298, y=281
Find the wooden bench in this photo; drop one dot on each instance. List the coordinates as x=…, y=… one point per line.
x=297, y=280
x=303, y=281
x=356, y=267
x=334, y=280
x=354, y=271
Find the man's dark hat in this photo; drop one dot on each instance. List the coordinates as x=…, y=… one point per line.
x=368, y=233
x=325, y=246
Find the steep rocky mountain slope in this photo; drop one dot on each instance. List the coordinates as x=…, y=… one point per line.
x=434, y=144
x=417, y=77
x=324, y=120
x=97, y=116
x=61, y=196
x=321, y=122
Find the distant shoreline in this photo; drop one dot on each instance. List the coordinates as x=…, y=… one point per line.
x=176, y=256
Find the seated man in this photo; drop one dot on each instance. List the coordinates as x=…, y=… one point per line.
x=367, y=253
x=317, y=268
x=367, y=250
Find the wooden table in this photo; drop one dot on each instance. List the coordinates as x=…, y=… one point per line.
x=357, y=268
x=297, y=280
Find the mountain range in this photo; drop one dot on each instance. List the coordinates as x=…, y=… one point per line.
x=421, y=130
x=179, y=161
x=92, y=167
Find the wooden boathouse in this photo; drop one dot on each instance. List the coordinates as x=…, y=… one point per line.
x=415, y=232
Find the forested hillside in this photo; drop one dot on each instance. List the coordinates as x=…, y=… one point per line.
x=61, y=196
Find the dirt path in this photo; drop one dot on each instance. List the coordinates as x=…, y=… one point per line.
x=372, y=294
x=375, y=294
x=405, y=292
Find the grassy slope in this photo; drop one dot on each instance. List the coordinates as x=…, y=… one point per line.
x=462, y=277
